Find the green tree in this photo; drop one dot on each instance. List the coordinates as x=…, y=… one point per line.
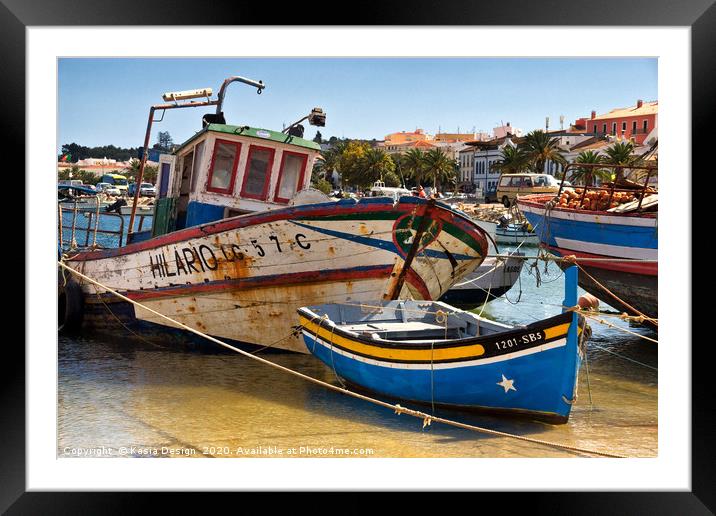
x=540, y=148
x=350, y=164
x=413, y=165
x=439, y=167
x=322, y=185
x=87, y=177
x=164, y=141
x=621, y=153
x=400, y=172
x=318, y=138
x=586, y=175
x=377, y=165
x=513, y=161
x=132, y=172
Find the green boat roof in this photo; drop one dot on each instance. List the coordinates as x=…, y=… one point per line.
x=253, y=132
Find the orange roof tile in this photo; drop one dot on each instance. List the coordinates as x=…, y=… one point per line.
x=647, y=108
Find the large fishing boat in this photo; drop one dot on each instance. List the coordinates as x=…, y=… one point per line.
x=612, y=233
x=233, y=252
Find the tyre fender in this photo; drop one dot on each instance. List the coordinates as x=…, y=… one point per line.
x=70, y=304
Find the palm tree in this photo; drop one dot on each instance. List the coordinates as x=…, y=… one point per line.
x=513, y=161
x=399, y=167
x=587, y=174
x=376, y=163
x=439, y=167
x=330, y=161
x=621, y=153
x=413, y=163
x=540, y=148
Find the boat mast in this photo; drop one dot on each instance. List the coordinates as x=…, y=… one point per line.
x=177, y=96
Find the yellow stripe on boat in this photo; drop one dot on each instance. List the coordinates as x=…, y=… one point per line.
x=416, y=355
x=556, y=331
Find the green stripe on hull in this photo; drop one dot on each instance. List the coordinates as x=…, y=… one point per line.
x=381, y=215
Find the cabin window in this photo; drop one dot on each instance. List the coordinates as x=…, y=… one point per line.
x=258, y=172
x=223, y=167
x=290, y=177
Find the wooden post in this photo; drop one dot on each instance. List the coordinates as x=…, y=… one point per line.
x=571, y=275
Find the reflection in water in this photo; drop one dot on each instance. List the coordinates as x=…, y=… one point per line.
x=128, y=398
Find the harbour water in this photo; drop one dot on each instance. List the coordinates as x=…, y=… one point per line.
x=119, y=397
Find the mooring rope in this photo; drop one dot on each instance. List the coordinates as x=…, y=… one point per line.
x=427, y=418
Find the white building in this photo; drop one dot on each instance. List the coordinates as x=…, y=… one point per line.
x=466, y=160
x=484, y=156
x=505, y=130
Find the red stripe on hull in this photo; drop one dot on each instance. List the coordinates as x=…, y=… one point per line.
x=267, y=281
x=631, y=266
x=418, y=284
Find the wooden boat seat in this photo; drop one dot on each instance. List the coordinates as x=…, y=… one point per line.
x=413, y=330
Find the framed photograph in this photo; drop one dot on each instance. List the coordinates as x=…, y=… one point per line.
x=205, y=197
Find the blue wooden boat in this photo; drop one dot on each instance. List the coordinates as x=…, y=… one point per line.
x=431, y=353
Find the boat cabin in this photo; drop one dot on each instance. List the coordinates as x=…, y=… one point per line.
x=380, y=190
x=227, y=170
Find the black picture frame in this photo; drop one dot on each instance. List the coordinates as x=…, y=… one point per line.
x=699, y=15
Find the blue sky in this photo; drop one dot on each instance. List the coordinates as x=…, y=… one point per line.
x=106, y=101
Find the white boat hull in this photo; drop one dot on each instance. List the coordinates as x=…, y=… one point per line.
x=242, y=279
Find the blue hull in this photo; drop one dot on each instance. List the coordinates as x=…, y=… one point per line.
x=542, y=384
x=623, y=235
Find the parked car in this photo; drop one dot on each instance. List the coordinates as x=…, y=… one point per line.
x=108, y=189
x=145, y=190
x=491, y=195
x=512, y=185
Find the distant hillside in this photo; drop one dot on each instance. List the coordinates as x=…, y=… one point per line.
x=78, y=152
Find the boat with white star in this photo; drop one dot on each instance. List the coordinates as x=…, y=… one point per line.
x=432, y=353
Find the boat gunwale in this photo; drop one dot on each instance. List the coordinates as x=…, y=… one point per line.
x=550, y=322
x=539, y=201
x=404, y=204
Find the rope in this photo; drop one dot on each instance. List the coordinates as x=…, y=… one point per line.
x=427, y=419
x=61, y=229
x=645, y=317
x=586, y=363
x=96, y=224
x=73, y=243
x=624, y=357
x=552, y=258
x=602, y=321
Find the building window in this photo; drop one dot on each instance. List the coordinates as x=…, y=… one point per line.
x=623, y=127
x=223, y=167
x=258, y=172
x=646, y=125
x=604, y=128
x=290, y=176
x=614, y=128
x=633, y=127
